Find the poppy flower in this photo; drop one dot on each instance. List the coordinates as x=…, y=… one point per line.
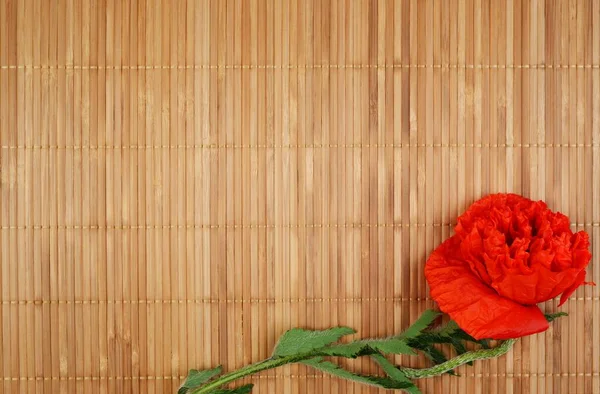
x=508, y=254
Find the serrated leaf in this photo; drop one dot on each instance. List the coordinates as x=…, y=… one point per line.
x=550, y=317
x=433, y=354
x=394, y=373
x=452, y=332
x=422, y=323
x=392, y=345
x=460, y=334
x=427, y=338
x=336, y=370
x=450, y=328
x=348, y=350
x=460, y=348
x=238, y=390
x=197, y=378
x=297, y=340
x=485, y=343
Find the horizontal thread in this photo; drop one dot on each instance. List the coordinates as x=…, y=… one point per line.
x=224, y=226
x=300, y=66
x=209, y=301
x=298, y=146
x=232, y=301
x=266, y=376
x=242, y=226
x=79, y=378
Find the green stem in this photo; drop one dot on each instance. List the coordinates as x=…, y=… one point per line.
x=249, y=370
x=458, y=361
x=408, y=372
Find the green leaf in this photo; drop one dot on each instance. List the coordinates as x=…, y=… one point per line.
x=450, y=328
x=238, y=390
x=432, y=353
x=197, y=378
x=392, y=345
x=348, y=350
x=336, y=370
x=422, y=323
x=426, y=338
x=395, y=373
x=452, y=332
x=297, y=340
x=553, y=316
x=460, y=348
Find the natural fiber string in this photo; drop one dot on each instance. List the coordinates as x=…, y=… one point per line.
x=222, y=226
x=299, y=146
x=243, y=226
x=269, y=376
x=233, y=301
x=302, y=66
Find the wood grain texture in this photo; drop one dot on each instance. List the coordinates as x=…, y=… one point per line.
x=182, y=181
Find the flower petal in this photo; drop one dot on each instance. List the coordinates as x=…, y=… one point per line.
x=538, y=286
x=578, y=282
x=477, y=308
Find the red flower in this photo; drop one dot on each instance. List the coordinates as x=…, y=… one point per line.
x=508, y=254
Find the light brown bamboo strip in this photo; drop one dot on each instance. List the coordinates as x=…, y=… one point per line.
x=582, y=33
x=4, y=327
x=203, y=167
x=291, y=174
x=311, y=255
x=137, y=268
x=465, y=183
x=561, y=354
x=573, y=176
x=168, y=48
x=218, y=187
x=589, y=179
x=152, y=108
x=595, y=185
x=77, y=205
x=441, y=52
x=9, y=94
x=22, y=198
x=318, y=176
x=187, y=209
x=550, y=125
x=272, y=248
x=480, y=119
x=38, y=209
x=425, y=122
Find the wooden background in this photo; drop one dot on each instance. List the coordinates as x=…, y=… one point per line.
x=182, y=181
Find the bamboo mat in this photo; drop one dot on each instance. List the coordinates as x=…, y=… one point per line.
x=182, y=181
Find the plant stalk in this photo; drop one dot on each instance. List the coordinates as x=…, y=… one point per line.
x=410, y=373
x=457, y=361
x=249, y=370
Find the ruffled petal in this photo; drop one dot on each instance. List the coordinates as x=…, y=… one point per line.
x=477, y=308
x=580, y=280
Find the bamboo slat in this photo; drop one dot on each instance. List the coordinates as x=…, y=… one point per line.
x=182, y=181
